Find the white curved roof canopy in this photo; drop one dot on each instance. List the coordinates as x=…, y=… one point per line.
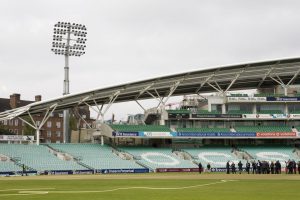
x=234, y=77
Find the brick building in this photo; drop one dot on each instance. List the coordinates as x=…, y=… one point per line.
x=51, y=132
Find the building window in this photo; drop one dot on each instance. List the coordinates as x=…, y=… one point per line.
x=48, y=133
x=57, y=141
x=38, y=123
x=60, y=115
x=83, y=116
x=11, y=122
x=16, y=122
x=23, y=124
x=57, y=124
x=48, y=141
x=57, y=133
x=5, y=122
x=49, y=124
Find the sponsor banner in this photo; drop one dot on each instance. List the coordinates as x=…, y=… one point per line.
x=7, y=173
x=157, y=134
x=217, y=116
x=291, y=99
x=16, y=138
x=223, y=169
x=177, y=170
x=115, y=171
x=60, y=172
x=83, y=172
x=266, y=116
x=216, y=134
x=246, y=99
x=294, y=116
x=276, y=134
x=178, y=116
x=125, y=134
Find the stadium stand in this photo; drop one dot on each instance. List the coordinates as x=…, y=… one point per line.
x=96, y=156
x=181, y=111
x=136, y=128
x=268, y=95
x=239, y=95
x=271, y=153
x=263, y=129
x=204, y=129
x=216, y=156
x=270, y=112
x=37, y=157
x=7, y=166
x=158, y=157
x=239, y=112
x=208, y=112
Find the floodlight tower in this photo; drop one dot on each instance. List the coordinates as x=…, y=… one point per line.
x=63, y=44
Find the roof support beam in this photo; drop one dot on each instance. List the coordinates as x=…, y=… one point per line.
x=293, y=78
x=217, y=89
x=234, y=80
x=36, y=126
x=172, y=90
x=204, y=82
x=265, y=76
x=140, y=105
x=144, y=90
x=80, y=116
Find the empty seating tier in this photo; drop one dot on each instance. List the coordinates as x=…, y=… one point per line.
x=263, y=129
x=96, y=156
x=158, y=157
x=214, y=129
x=137, y=128
x=37, y=157
x=216, y=156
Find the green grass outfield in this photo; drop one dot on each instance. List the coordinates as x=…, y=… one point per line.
x=173, y=186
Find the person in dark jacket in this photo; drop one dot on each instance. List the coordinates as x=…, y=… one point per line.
x=208, y=167
x=248, y=167
x=258, y=167
x=254, y=167
x=200, y=167
x=233, y=168
x=240, y=165
x=294, y=167
x=299, y=167
x=227, y=167
x=272, y=166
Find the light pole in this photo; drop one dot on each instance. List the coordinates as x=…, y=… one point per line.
x=63, y=44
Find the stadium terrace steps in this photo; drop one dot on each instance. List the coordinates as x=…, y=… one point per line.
x=37, y=157
x=158, y=157
x=96, y=156
x=271, y=153
x=216, y=156
x=8, y=166
x=263, y=129
x=137, y=128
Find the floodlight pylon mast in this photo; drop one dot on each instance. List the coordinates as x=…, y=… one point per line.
x=66, y=127
x=67, y=49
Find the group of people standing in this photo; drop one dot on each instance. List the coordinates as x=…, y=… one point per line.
x=259, y=167
x=263, y=167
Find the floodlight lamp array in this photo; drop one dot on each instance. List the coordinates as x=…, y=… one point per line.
x=62, y=40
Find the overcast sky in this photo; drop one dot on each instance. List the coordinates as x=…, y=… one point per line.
x=130, y=40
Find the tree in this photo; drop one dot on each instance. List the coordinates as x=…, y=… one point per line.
x=73, y=123
x=28, y=130
x=4, y=130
